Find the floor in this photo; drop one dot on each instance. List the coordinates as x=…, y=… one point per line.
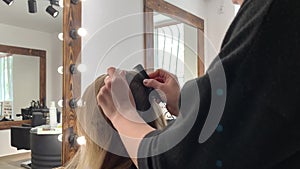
x=14, y=161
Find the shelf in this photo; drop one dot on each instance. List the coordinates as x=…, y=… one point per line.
x=7, y=124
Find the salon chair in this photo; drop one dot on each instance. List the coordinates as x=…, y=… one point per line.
x=20, y=135
x=45, y=150
x=23, y=138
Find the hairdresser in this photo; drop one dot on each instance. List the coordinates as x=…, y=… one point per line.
x=256, y=126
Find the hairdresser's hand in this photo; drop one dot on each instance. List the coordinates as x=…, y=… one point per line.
x=115, y=97
x=167, y=83
x=117, y=103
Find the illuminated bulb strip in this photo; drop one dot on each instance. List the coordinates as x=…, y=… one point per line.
x=79, y=103
x=75, y=33
x=60, y=70
x=60, y=103
x=81, y=140
x=59, y=137
x=82, y=32
x=61, y=36
x=81, y=68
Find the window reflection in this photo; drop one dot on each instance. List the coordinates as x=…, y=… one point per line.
x=6, y=86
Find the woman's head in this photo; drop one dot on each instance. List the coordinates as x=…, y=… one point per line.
x=99, y=132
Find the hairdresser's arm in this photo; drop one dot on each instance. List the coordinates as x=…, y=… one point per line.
x=167, y=84
x=131, y=134
x=117, y=103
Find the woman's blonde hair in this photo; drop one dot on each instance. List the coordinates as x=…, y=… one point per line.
x=92, y=124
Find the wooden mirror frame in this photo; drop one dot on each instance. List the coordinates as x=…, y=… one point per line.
x=27, y=52
x=71, y=82
x=178, y=14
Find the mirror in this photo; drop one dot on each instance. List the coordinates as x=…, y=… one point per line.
x=31, y=36
x=175, y=46
x=22, y=79
x=174, y=40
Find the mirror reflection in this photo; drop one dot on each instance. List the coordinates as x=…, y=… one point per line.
x=22, y=79
x=175, y=47
x=31, y=25
x=174, y=40
x=14, y=70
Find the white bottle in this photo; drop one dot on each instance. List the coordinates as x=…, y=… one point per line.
x=52, y=114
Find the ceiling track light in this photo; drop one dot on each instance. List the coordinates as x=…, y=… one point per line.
x=9, y=2
x=52, y=11
x=32, y=6
x=54, y=2
x=59, y=3
x=74, y=1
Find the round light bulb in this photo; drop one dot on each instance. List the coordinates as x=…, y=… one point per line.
x=79, y=103
x=61, y=36
x=60, y=137
x=60, y=70
x=81, y=68
x=82, y=32
x=60, y=103
x=81, y=140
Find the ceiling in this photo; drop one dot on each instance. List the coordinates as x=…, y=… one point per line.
x=17, y=15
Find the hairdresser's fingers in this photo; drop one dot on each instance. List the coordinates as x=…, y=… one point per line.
x=104, y=100
x=111, y=71
x=119, y=86
x=121, y=73
x=152, y=83
x=107, y=82
x=123, y=76
x=103, y=95
x=156, y=73
x=116, y=75
x=160, y=75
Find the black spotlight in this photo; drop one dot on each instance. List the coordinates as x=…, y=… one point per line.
x=53, y=12
x=9, y=2
x=32, y=7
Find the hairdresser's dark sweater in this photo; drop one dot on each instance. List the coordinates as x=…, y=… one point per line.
x=260, y=125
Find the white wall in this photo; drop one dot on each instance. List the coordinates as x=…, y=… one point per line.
x=115, y=36
x=109, y=22
x=26, y=82
x=54, y=79
x=217, y=25
x=16, y=36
